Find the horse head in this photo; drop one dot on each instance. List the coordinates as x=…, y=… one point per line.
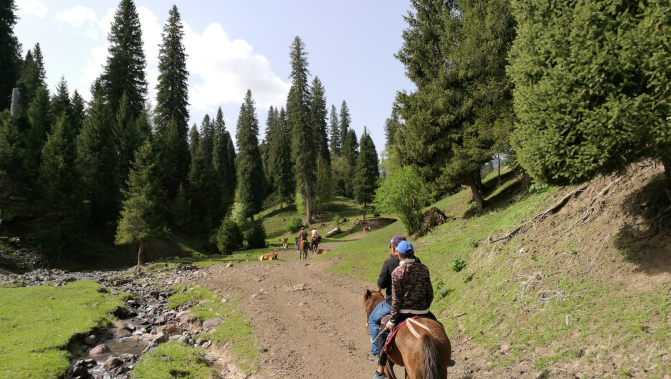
x=370, y=300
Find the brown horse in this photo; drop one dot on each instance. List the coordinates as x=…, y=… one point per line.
x=303, y=248
x=426, y=357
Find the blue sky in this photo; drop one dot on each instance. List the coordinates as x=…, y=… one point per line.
x=238, y=45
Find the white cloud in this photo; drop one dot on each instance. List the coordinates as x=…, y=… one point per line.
x=33, y=7
x=224, y=70
x=80, y=17
x=221, y=70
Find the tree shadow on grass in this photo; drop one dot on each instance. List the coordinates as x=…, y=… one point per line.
x=645, y=238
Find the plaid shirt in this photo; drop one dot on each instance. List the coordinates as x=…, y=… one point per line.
x=411, y=288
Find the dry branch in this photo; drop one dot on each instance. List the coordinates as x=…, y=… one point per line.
x=596, y=256
x=559, y=204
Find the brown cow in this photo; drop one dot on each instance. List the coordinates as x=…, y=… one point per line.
x=230, y=264
x=366, y=229
x=285, y=242
x=323, y=251
x=272, y=256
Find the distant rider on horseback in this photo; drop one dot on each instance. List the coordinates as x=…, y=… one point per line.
x=411, y=295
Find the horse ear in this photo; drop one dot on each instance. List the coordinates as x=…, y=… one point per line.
x=368, y=293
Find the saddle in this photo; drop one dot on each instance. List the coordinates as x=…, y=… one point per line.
x=413, y=325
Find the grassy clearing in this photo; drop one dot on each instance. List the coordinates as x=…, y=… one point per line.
x=36, y=324
x=514, y=304
x=174, y=360
x=235, y=330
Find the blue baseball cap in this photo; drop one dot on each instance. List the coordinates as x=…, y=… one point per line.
x=404, y=247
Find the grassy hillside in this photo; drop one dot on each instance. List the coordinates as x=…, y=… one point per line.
x=584, y=290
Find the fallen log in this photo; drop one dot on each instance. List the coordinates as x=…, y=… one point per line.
x=333, y=232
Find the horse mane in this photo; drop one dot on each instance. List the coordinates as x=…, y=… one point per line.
x=371, y=299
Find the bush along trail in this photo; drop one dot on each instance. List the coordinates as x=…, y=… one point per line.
x=101, y=346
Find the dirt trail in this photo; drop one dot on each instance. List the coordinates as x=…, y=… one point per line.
x=310, y=322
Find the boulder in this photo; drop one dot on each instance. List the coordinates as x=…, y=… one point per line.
x=100, y=349
x=170, y=330
x=201, y=340
x=90, y=340
x=161, y=338
x=112, y=362
x=212, y=322
x=187, y=317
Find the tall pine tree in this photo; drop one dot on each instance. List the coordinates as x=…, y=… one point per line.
x=10, y=52
x=97, y=161
x=124, y=73
x=62, y=208
x=172, y=101
x=223, y=165
x=60, y=102
x=250, y=190
x=12, y=187
x=205, y=189
x=303, y=149
x=334, y=133
x=350, y=154
x=345, y=121
x=39, y=118
x=127, y=139
x=318, y=115
x=144, y=212
x=366, y=174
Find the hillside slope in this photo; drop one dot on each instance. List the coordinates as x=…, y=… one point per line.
x=579, y=292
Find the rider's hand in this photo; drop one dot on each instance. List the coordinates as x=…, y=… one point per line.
x=389, y=326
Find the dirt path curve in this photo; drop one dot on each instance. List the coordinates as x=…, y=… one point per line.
x=310, y=322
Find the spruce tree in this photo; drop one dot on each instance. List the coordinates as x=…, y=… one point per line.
x=280, y=158
x=366, y=173
x=334, y=130
x=318, y=115
x=180, y=210
x=264, y=148
x=124, y=73
x=461, y=112
x=591, y=87
x=303, y=149
x=173, y=91
x=345, y=121
x=143, y=125
x=207, y=136
x=78, y=112
x=10, y=52
x=194, y=140
x=391, y=126
x=205, y=190
x=60, y=102
x=127, y=139
x=222, y=164
x=350, y=154
x=250, y=190
x=172, y=101
x=62, y=208
x=39, y=65
x=97, y=161
x=27, y=83
x=39, y=119
x=12, y=187
x=143, y=216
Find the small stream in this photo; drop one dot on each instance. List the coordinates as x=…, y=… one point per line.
x=142, y=324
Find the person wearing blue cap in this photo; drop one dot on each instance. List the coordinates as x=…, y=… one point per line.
x=384, y=282
x=411, y=295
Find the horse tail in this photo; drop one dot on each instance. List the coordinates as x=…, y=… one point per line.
x=430, y=365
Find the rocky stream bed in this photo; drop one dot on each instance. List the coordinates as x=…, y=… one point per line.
x=145, y=322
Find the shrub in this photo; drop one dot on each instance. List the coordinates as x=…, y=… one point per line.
x=467, y=277
x=229, y=237
x=336, y=220
x=458, y=264
x=403, y=195
x=294, y=224
x=256, y=235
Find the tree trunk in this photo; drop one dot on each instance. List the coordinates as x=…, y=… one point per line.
x=478, y=182
x=251, y=218
x=139, y=253
x=477, y=195
x=363, y=218
x=308, y=209
x=498, y=159
x=526, y=180
x=15, y=107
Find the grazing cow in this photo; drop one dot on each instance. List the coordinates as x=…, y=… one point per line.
x=230, y=264
x=323, y=251
x=356, y=222
x=366, y=229
x=376, y=215
x=272, y=256
x=285, y=242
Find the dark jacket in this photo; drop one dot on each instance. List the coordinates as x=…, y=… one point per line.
x=384, y=280
x=412, y=289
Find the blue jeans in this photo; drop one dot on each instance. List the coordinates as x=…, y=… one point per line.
x=374, y=319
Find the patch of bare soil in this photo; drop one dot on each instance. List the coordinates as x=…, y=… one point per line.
x=307, y=323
